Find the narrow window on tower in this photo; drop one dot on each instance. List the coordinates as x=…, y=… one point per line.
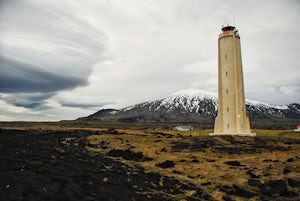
x=227, y=109
x=228, y=125
x=227, y=91
x=225, y=56
x=226, y=73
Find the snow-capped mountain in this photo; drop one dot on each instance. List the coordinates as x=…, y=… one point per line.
x=192, y=106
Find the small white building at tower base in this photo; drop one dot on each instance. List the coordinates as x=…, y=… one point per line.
x=298, y=128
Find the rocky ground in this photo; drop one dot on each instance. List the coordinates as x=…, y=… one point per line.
x=112, y=164
x=38, y=165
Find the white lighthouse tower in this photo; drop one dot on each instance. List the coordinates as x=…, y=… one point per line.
x=232, y=118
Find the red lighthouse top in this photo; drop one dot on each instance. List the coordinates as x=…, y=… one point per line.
x=227, y=29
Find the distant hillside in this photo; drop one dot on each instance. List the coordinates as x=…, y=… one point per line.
x=193, y=106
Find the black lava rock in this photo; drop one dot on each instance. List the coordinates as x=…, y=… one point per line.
x=206, y=184
x=254, y=182
x=242, y=192
x=128, y=155
x=287, y=170
x=227, y=198
x=238, y=191
x=274, y=187
x=55, y=165
x=233, y=163
x=251, y=174
x=294, y=182
x=166, y=164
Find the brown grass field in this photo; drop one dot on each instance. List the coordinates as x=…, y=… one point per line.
x=206, y=167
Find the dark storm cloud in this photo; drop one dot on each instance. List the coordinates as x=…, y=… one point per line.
x=28, y=100
x=18, y=76
x=43, y=43
x=31, y=105
x=45, y=48
x=84, y=105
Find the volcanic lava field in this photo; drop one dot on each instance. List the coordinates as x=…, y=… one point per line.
x=56, y=162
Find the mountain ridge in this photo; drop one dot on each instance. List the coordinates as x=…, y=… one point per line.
x=193, y=105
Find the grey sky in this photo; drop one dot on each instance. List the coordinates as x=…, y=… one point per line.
x=66, y=59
